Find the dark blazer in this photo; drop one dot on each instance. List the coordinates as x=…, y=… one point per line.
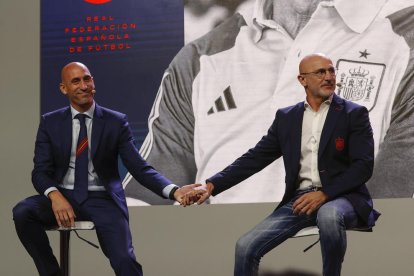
x=111, y=137
x=345, y=156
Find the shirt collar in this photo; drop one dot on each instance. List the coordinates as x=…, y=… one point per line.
x=356, y=14
x=89, y=112
x=325, y=103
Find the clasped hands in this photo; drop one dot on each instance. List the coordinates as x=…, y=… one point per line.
x=194, y=193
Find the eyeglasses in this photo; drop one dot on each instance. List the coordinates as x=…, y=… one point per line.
x=321, y=73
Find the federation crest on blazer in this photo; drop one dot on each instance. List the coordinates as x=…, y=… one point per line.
x=339, y=144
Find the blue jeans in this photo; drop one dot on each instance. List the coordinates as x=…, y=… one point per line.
x=332, y=219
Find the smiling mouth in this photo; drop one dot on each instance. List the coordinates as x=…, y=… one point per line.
x=84, y=93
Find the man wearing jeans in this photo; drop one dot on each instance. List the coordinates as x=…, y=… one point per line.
x=327, y=147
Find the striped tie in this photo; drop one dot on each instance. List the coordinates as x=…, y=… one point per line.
x=80, y=191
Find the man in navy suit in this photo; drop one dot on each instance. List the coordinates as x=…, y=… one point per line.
x=77, y=177
x=328, y=152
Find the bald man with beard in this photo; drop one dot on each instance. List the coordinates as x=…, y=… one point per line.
x=327, y=147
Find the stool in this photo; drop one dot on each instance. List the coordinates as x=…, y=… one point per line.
x=64, y=242
x=313, y=230
x=307, y=231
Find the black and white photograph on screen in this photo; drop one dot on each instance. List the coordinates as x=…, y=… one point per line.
x=221, y=91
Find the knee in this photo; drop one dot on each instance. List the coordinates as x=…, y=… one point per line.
x=329, y=218
x=21, y=212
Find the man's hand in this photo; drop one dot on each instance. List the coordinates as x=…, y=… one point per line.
x=199, y=194
x=309, y=203
x=181, y=192
x=64, y=214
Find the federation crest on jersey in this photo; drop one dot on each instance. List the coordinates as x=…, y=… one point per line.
x=361, y=81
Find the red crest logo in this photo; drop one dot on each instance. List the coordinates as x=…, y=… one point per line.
x=339, y=144
x=97, y=2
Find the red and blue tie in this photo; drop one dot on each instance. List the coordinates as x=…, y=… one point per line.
x=80, y=191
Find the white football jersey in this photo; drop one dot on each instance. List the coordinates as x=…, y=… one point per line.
x=221, y=92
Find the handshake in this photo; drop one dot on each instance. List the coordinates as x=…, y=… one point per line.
x=193, y=193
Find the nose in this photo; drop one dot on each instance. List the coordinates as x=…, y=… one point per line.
x=83, y=85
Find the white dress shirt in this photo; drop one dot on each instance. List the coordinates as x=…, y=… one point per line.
x=312, y=126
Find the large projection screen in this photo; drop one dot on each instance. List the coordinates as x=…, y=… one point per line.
x=201, y=80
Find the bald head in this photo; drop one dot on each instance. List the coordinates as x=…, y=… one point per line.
x=307, y=64
x=70, y=67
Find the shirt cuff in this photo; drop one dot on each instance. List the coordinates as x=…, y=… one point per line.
x=166, y=191
x=51, y=189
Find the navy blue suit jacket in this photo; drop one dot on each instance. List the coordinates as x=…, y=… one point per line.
x=111, y=137
x=345, y=156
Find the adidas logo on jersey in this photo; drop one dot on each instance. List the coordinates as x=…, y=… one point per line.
x=223, y=103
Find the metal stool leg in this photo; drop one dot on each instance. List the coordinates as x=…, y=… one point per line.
x=64, y=242
x=64, y=252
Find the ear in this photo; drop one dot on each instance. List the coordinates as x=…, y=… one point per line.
x=62, y=88
x=302, y=81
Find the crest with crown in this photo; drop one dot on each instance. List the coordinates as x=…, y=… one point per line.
x=360, y=72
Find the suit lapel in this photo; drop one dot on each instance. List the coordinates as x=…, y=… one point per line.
x=97, y=128
x=66, y=133
x=296, y=135
x=335, y=110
